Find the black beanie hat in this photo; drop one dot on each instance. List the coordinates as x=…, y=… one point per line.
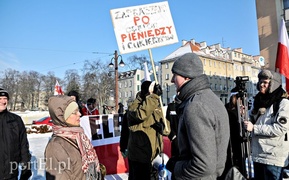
x=145, y=87
x=188, y=65
x=4, y=93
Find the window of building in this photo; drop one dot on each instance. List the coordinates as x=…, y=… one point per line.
x=130, y=83
x=130, y=94
x=167, y=66
x=286, y=4
x=204, y=62
x=137, y=77
x=138, y=88
x=125, y=84
x=167, y=76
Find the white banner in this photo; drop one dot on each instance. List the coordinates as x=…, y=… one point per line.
x=143, y=27
x=102, y=129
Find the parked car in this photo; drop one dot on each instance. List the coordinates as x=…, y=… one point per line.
x=45, y=120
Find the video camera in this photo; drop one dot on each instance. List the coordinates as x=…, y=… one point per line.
x=241, y=83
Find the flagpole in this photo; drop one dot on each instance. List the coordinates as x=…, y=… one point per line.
x=156, y=80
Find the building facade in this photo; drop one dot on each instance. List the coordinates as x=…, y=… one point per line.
x=269, y=16
x=221, y=65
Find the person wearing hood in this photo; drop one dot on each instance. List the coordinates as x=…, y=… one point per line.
x=75, y=95
x=14, y=151
x=203, y=128
x=269, y=127
x=69, y=154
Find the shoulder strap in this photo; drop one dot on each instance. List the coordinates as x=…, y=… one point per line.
x=276, y=106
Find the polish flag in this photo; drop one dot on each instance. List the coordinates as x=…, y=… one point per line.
x=282, y=59
x=147, y=76
x=58, y=89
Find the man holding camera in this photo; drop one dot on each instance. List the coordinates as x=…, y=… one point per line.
x=269, y=127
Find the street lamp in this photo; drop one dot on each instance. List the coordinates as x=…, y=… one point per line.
x=115, y=65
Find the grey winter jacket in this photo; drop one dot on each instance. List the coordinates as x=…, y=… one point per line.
x=270, y=143
x=203, y=132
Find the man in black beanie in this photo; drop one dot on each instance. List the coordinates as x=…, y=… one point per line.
x=14, y=149
x=203, y=129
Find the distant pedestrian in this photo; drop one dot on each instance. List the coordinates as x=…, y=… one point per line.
x=109, y=108
x=203, y=129
x=69, y=154
x=90, y=108
x=120, y=108
x=14, y=150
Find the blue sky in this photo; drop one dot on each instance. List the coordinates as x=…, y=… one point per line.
x=57, y=35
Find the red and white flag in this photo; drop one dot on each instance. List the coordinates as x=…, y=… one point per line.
x=282, y=59
x=58, y=89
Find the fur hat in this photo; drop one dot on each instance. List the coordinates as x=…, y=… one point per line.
x=60, y=108
x=274, y=77
x=4, y=93
x=188, y=65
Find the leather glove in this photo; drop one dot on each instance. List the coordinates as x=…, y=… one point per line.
x=124, y=154
x=25, y=174
x=158, y=90
x=171, y=164
x=158, y=126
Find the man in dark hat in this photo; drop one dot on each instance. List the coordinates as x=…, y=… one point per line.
x=14, y=149
x=203, y=129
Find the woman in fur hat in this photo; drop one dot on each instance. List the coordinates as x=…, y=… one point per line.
x=69, y=154
x=270, y=145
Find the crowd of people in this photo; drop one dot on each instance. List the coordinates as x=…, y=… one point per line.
x=207, y=140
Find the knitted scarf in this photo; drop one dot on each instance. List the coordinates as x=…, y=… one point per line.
x=266, y=100
x=88, y=154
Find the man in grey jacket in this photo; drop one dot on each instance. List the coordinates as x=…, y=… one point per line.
x=203, y=132
x=269, y=127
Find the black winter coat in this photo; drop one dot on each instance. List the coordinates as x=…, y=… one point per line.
x=14, y=145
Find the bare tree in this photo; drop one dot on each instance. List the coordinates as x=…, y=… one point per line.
x=96, y=82
x=72, y=80
x=48, y=86
x=136, y=62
